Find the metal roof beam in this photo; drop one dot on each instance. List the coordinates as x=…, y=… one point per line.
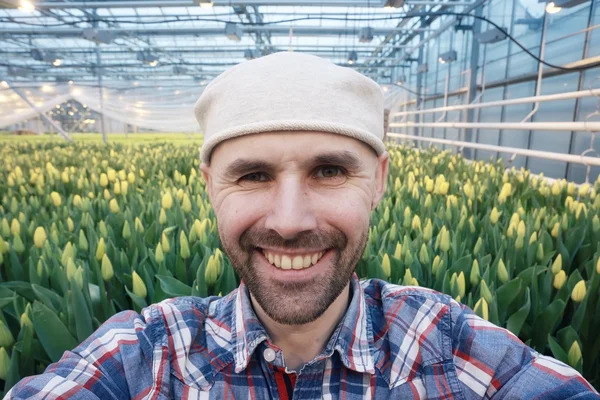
x=190, y=3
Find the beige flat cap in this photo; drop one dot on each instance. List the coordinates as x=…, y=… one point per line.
x=290, y=91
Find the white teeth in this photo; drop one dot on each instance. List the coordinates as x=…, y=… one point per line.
x=292, y=262
x=306, y=262
x=297, y=262
x=286, y=262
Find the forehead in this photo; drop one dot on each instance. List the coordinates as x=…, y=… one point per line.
x=281, y=147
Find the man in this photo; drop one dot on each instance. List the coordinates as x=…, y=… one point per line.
x=294, y=164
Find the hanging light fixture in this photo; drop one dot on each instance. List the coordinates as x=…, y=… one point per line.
x=352, y=57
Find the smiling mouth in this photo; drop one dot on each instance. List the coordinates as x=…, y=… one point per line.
x=288, y=261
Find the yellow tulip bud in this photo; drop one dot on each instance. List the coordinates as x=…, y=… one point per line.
x=112, y=175
x=162, y=217
x=114, y=206
x=167, y=201
x=385, y=265
x=485, y=292
x=584, y=189
x=596, y=223
x=138, y=225
x=124, y=188
x=597, y=266
x=416, y=223
x=445, y=241
x=571, y=189
x=428, y=231
x=481, y=309
x=211, y=274
x=107, y=194
x=579, y=291
x=502, y=272
x=574, y=355
x=424, y=255
x=164, y=242
x=556, y=189
x=6, y=337
x=386, y=215
x=474, y=276
x=186, y=204
x=533, y=238
x=184, y=247
x=70, y=225
x=15, y=227
x=18, y=245
x=461, y=284
x=126, y=230
x=83, y=243
x=494, y=215
x=100, y=249
x=521, y=229
x=71, y=269
x=437, y=262
x=478, y=245
x=77, y=200
x=557, y=264
x=107, y=269
x=103, y=180
x=131, y=178
x=398, y=251
x=159, y=256
x=559, y=279
x=556, y=230
x=139, y=287
x=39, y=238
x=4, y=363
x=117, y=187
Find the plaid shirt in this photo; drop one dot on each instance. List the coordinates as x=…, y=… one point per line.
x=394, y=342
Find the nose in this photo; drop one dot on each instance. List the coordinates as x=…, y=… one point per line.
x=291, y=210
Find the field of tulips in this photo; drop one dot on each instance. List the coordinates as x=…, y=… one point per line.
x=88, y=230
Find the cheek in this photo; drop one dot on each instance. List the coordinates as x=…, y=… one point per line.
x=348, y=211
x=237, y=213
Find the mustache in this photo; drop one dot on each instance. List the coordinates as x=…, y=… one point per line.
x=253, y=238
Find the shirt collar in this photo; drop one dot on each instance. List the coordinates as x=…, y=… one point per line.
x=352, y=338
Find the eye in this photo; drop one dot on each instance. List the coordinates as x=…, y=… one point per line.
x=329, y=171
x=254, y=177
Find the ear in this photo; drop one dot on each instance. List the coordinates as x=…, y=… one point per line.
x=381, y=174
x=205, y=169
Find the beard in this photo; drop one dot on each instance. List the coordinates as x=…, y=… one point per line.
x=295, y=303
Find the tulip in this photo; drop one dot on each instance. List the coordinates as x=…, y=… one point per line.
x=107, y=269
x=579, y=292
x=6, y=337
x=474, y=276
x=386, y=215
x=211, y=274
x=486, y=292
x=124, y=188
x=596, y=223
x=15, y=227
x=39, y=238
x=164, y=242
x=139, y=287
x=184, y=247
x=138, y=225
x=481, y=309
x=461, y=284
x=186, y=204
x=445, y=241
x=100, y=249
x=559, y=279
x=556, y=230
x=478, y=245
x=4, y=364
x=597, y=265
x=83, y=243
x=385, y=265
x=416, y=223
x=502, y=272
x=167, y=201
x=114, y=206
x=159, y=256
x=436, y=265
x=18, y=245
x=103, y=180
x=424, y=255
x=102, y=228
x=494, y=215
x=574, y=355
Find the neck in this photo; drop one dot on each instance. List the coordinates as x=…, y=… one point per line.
x=302, y=343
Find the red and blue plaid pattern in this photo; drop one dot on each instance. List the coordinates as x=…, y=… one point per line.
x=394, y=342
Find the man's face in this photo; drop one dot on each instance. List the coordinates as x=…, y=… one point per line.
x=293, y=214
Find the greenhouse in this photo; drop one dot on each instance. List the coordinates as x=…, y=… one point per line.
x=428, y=225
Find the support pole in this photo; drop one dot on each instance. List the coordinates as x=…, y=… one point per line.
x=40, y=113
x=100, y=93
x=472, y=93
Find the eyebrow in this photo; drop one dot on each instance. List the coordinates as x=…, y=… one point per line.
x=346, y=159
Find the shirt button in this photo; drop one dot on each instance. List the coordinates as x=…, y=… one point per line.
x=269, y=355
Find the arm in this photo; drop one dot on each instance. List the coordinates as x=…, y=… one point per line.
x=115, y=362
x=491, y=362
